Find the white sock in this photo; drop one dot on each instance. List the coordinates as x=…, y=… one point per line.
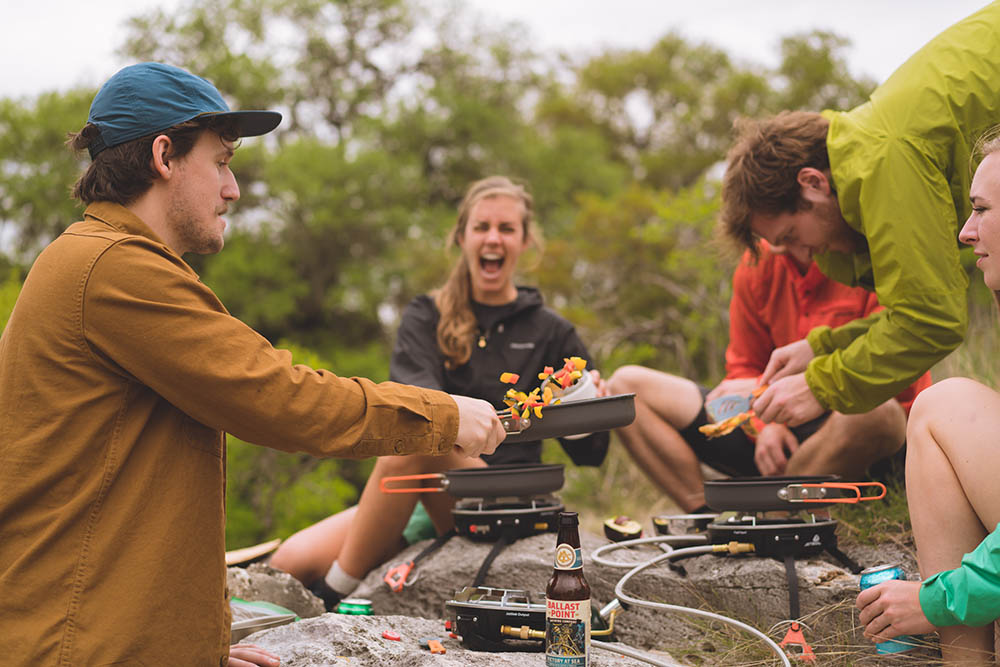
x=340, y=581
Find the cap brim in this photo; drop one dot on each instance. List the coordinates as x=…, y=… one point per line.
x=251, y=123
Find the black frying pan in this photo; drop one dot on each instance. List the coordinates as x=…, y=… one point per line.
x=505, y=479
x=765, y=494
x=587, y=415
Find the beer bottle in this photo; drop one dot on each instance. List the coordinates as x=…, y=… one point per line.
x=567, y=601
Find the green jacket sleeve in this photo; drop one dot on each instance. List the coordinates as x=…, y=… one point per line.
x=824, y=339
x=908, y=217
x=969, y=594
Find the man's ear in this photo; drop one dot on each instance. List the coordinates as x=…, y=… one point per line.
x=160, y=160
x=810, y=178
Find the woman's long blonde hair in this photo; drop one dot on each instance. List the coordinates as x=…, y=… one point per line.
x=457, y=326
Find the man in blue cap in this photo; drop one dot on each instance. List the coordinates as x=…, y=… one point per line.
x=120, y=373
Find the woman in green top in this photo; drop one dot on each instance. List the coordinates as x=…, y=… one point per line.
x=954, y=499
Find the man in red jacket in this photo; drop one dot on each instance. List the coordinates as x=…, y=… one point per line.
x=776, y=301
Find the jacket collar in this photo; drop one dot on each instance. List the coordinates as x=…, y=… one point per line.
x=527, y=299
x=120, y=218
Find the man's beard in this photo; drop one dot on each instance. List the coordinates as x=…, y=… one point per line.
x=190, y=234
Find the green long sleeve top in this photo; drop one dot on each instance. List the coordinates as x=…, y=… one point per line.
x=900, y=164
x=969, y=594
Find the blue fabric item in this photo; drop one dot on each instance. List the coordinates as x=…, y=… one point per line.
x=151, y=97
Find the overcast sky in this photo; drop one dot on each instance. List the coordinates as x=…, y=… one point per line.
x=55, y=44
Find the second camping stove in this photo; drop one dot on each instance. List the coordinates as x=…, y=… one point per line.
x=784, y=539
x=777, y=537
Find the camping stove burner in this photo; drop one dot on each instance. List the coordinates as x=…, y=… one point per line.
x=785, y=539
x=484, y=519
x=777, y=538
x=477, y=614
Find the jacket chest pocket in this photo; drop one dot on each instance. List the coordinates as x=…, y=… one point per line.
x=202, y=437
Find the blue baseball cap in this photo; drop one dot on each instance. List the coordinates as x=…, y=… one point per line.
x=151, y=97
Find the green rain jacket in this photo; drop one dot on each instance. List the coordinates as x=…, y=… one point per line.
x=969, y=594
x=901, y=168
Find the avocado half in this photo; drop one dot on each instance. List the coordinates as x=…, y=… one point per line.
x=621, y=528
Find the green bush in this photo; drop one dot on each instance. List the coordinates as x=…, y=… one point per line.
x=9, y=289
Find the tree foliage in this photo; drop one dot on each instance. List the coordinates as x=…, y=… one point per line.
x=37, y=170
x=391, y=109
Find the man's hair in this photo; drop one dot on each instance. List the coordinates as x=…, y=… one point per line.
x=763, y=167
x=123, y=173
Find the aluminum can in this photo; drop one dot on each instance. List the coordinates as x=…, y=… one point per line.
x=355, y=607
x=873, y=576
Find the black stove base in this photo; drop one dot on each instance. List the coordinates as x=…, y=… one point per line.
x=477, y=613
x=485, y=520
x=777, y=538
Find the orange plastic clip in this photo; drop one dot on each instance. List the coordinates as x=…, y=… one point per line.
x=395, y=578
x=435, y=646
x=794, y=637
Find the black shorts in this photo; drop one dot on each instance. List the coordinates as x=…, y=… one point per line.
x=732, y=454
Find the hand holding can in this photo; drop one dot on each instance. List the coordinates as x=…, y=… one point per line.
x=873, y=576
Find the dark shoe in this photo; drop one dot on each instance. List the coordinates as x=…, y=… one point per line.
x=322, y=590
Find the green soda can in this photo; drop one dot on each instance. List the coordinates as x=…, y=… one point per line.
x=355, y=607
x=874, y=576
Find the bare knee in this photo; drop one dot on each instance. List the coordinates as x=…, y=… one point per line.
x=673, y=399
x=626, y=379
x=888, y=423
x=297, y=556
x=850, y=443
x=938, y=401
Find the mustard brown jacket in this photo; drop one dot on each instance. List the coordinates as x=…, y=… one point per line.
x=119, y=374
x=901, y=167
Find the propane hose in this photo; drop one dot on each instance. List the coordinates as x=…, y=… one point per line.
x=665, y=542
x=633, y=653
x=734, y=547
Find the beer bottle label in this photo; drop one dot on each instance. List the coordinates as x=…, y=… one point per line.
x=567, y=632
x=568, y=558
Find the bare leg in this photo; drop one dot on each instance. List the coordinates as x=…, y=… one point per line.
x=664, y=404
x=847, y=444
x=308, y=554
x=381, y=517
x=952, y=492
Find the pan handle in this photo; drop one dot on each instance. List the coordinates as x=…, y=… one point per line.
x=513, y=424
x=383, y=483
x=801, y=493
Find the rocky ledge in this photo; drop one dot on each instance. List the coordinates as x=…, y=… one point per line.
x=751, y=589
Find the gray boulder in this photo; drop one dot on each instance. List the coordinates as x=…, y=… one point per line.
x=751, y=589
x=264, y=583
x=336, y=639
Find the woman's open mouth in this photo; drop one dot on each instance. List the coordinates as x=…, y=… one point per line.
x=491, y=264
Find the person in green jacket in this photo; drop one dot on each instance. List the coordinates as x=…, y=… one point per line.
x=950, y=486
x=876, y=195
